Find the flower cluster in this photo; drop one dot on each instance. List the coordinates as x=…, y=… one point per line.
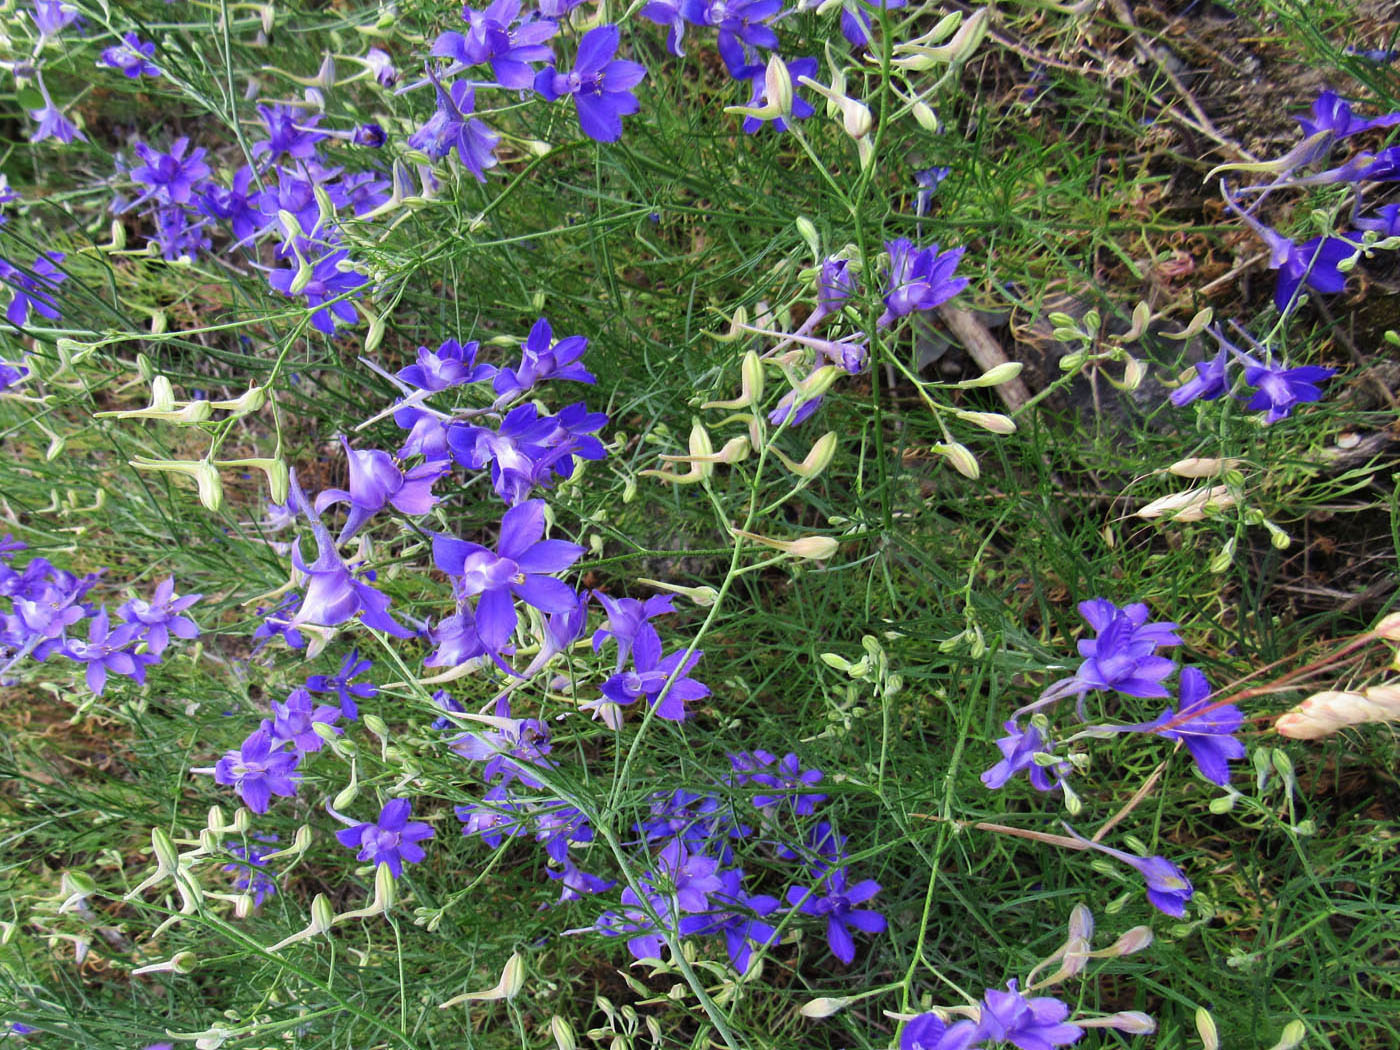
x=46, y=605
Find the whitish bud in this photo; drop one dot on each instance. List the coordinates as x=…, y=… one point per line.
x=823, y=1007
x=180, y=962
x=1133, y=941
x=322, y=914
x=167, y=856
x=563, y=1032
x=512, y=977
x=927, y=118
x=961, y=458
x=1195, y=325
x=1134, y=372
x=1292, y=1036
x=1327, y=712
x=118, y=235
x=818, y=458
x=815, y=548
x=835, y=661
x=1205, y=1028
x=1200, y=468
x=809, y=234
x=994, y=376
x=1389, y=627
x=704, y=597
x=993, y=421
x=1191, y=505
x=377, y=726
x=777, y=82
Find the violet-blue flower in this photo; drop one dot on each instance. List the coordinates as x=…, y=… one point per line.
x=161, y=616
x=732, y=915
x=52, y=16
x=291, y=133
x=451, y=364
x=628, y=619
x=376, y=481
x=1030, y=1024
x=1278, y=389
x=855, y=19
x=788, y=783
x=742, y=25
x=1168, y=889
x=834, y=900
x=522, y=566
x=1331, y=113
x=132, y=56
x=31, y=293
x=649, y=677
x=494, y=36
x=1122, y=656
x=919, y=279
x=496, y=818
x=52, y=123
x=1018, y=752
x=452, y=126
x=1210, y=381
x=930, y=1032
x=680, y=875
x=392, y=839
x=510, y=750
x=601, y=85
x=109, y=650
x=342, y=683
x=328, y=282
x=257, y=772
x=295, y=720
x=251, y=869
x=541, y=358
x=1208, y=736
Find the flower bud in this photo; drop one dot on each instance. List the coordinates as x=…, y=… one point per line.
x=1200, y=468
x=704, y=597
x=809, y=234
x=1205, y=1028
x=822, y=1007
x=1389, y=627
x=961, y=458
x=563, y=1032
x=994, y=376
x=1190, y=505
x=1292, y=1036
x=993, y=421
x=927, y=118
x=1327, y=712
x=777, y=83
x=818, y=458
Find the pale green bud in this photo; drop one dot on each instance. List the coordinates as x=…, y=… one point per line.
x=961, y=458
x=823, y=1007
x=1205, y=1028
x=809, y=234
x=1294, y=1032
x=563, y=1033
x=993, y=421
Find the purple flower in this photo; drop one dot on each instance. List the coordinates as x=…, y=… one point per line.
x=541, y=359
x=1031, y=1024
x=929, y=1032
x=667, y=13
x=52, y=16
x=250, y=866
x=1278, y=389
x=451, y=364
x=290, y=133
x=132, y=57
x=376, y=481
x=30, y=293
x=700, y=821
x=649, y=677
x=392, y=839
x=11, y=372
x=52, y=123
x=1122, y=657
x=1209, y=736
x=731, y=915
x=295, y=721
x=453, y=127
x=109, y=650
x=177, y=237
x=855, y=22
x=741, y=24
x=1332, y=113
x=681, y=876
x=381, y=64
x=521, y=566
x=600, y=84
x=1210, y=381
x=756, y=75
x=1019, y=750
x=495, y=819
x=347, y=691
x=492, y=37
x=558, y=828
x=1168, y=890
x=576, y=882
x=628, y=620
x=789, y=783
x=927, y=179
x=919, y=279
x=1313, y=263
x=233, y=205
x=836, y=280
x=371, y=136
x=328, y=282
x=458, y=641
x=257, y=772
x=509, y=750
x=833, y=899
x=161, y=616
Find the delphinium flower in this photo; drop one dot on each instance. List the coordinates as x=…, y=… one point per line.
x=52, y=17
x=234, y=205
x=822, y=848
x=458, y=641
x=833, y=899
x=370, y=136
x=52, y=123
x=649, y=678
x=109, y=650
x=451, y=364
x=698, y=819
x=628, y=619
x=392, y=839
x=381, y=65
x=1168, y=889
x=679, y=875
x=495, y=36
x=251, y=869
x=1331, y=113
x=427, y=433
x=376, y=481
x=342, y=683
x=856, y=17
x=257, y=772
x=930, y=1032
x=291, y=133
x=132, y=56
x=295, y=720
x=1019, y=750
x=577, y=883
x=334, y=594
x=732, y=916
x=11, y=372
x=496, y=818
x=1031, y=1024
x=1123, y=656
x=328, y=282
x=1279, y=389
x=919, y=279
x=741, y=24
x=7, y=196
x=276, y=623
x=836, y=280
x=522, y=566
x=1210, y=381
x=667, y=13
x=510, y=750
x=928, y=180
x=177, y=236
x=31, y=293
x=452, y=126
x=161, y=616
x=1314, y=262
x=788, y=782
x=1208, y=736
x=540, y=359
x=171, y=177
x=601, y=85
x=294, y=192
x=559, y=827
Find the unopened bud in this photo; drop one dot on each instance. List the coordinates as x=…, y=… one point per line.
x=809, y=234
x=1200, y=468
x=563, y=1032
x=1292, y=1036
x=927, y=118
x=993, y=421
x=1389, y=627
x=1205, y=1028
x=823, y=1007
x=994, y=376
x=961, y=458
x=818, y=458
